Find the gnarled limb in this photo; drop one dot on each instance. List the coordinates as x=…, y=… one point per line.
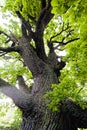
x=43, y=19
x=25, y=26
x=21, y=100
x=22, y=85
x=53, y=57
x=32, y=61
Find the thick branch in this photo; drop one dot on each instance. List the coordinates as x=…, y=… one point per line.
x=79, y=115
x=30, y=57
x=43, y=3
x=22, y=86
x=24, y=21
x=9, y=49
x=25, y=25
x=20, y=99
x=43, y=19
x=53, y=58
x=24, y=31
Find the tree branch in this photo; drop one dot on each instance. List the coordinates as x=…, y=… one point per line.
x=79, y=115
x=10, y=37
x=1, y=32
x=25, y=25
x=22, y=86
x=64, y=43
x=9, y=49
x=44, y=17
x=60, y=31
x=20, y=99
x=32, y=61
x=28, y=26
x=43, y=4
x=72, y=40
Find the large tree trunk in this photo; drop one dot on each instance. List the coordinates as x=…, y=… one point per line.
x=49, y=121
x=39, y=117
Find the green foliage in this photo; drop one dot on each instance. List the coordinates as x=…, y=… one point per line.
x=8, y=5
x=73, y=11
x=73, y=79
x=10, y=116
x=61, y=6
x=26, y=7
x=15, y=63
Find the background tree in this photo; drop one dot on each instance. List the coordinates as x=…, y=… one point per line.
x=31, y=51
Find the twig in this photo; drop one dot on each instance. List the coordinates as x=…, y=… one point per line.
x=63, y=43
x=72, y=40
x=60, y=31
x=10, y=37
x=2, y=32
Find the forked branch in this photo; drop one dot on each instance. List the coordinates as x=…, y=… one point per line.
x=67, y=28
x=44, y=17
x=25, y=25
x=19, y=98
x=63, y=41
x=10, y=37
x=22, y=85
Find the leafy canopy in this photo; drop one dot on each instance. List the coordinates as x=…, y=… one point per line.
x=73, y=79
x=26, y=7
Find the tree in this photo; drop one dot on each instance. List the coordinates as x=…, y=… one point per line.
x=55, y=99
